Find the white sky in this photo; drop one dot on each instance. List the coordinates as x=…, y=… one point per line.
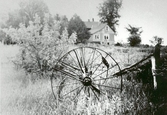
x=151, y=15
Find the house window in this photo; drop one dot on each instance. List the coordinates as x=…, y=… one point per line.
x=106, y=37
x=97, y=36
x=106, y=28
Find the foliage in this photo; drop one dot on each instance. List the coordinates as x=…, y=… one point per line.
x=109, y=13
x=21, y=92
x=28, y=9
x=14, y=19
x=39, y=49
x=2, y=34
x=63, y=20
x=78, y=26
x=155, y=40
x=41, y=46
x=8, y=41
x=134, y=38
x=134, y=30
x=26, y=12
x=118, y=44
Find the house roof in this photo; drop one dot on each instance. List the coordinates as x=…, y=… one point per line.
x=95, y=26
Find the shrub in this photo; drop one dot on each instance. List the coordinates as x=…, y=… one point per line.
x=118, y=44
x=2, y=35
x=135, y=33
x=134, y=40
x=40, y=44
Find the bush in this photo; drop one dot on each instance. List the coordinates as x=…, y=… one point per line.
x=2, y=36
x=134, y=40
x=8, y=41
x=118, y=44
x=39, y=49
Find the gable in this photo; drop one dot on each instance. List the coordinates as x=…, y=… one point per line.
x=107, y=29
x=95, y=27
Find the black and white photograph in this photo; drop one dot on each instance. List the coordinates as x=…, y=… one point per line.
x=83, y=57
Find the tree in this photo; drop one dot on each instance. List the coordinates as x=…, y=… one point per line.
x=14, y=19
x=28, y=10
x=109, y=13
x=155, y=40
x=39, y=52
x=77, y=25
x=63, y=22
x=134, y=38
x=57, y=17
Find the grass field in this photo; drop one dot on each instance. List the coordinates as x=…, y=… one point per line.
x=21, y=96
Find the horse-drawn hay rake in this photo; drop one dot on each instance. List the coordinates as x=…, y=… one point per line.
x=86, y=71
x=91, y=72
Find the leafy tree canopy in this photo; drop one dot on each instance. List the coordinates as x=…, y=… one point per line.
x=14, y=19
x=155, y=40
x=135, y=33
x=63, y=22
x=78, y=26
x=28, y=10
x=109, y=13
x=134, y=30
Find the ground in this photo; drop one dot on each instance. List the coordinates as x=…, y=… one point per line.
x=20, y=95
x=7, y=74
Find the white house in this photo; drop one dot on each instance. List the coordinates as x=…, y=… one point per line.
x=100, y=33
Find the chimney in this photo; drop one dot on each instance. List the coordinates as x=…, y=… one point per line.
x=88, y=20
x=92, y=19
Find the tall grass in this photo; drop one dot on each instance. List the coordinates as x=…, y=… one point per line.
x=19, y=94
x=22, y=95
x=125, y=56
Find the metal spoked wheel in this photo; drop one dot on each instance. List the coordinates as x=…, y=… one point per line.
x=86, y=71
